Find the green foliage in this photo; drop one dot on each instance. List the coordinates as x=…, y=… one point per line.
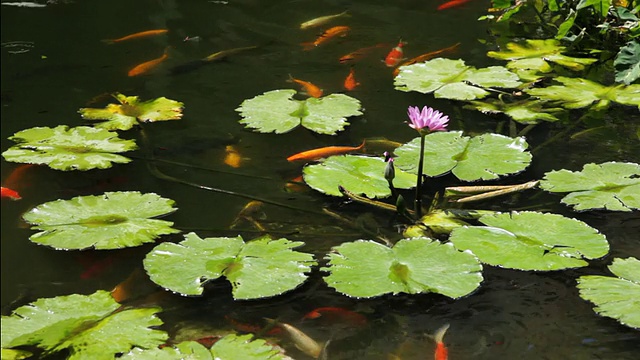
x=276, y=111
x=618, y=298
x=131, y=110
x=610, y=186
x=452, y=79
x=417, y=265
x=86, y=325
x=188, y=350
x=531, y=241
x=64, y=148
x=260, y=268
x=112, y=220
x=358, y=174
x=579, y=93
x=627, y=63
x=536, y=55
x=523, y=111
x=483, y=157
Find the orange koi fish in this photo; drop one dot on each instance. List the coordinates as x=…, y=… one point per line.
x=147, y=66
x=232, y=156
x=137, y=35
x=441, y=353
x=350, y=82
x=337, y=314
x=309, y=88
x=395, y=55
x=356, y=55
x=322, y=20
x=425, y=57
x=452, y=4
x=324, y=152
x=11, y=194
x=327, y=35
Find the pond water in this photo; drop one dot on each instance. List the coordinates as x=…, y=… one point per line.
x=54, y=62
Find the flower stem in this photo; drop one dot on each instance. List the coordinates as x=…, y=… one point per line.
x=418, y=201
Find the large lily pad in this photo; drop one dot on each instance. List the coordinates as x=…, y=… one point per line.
x=578, y=93
x=112, y=220
x=417, y=265
x=611, y=186
x=535, y=54
x=260, y=268
x=524, y=111
x=188, y=350
x=452, y=79
x=483, y=157
x=86, y=325
x=627, y=63
x=125, y=115
x=64, y=148
x=618, y=298
x=276, y=111
x=531, y=241
x=358, y=174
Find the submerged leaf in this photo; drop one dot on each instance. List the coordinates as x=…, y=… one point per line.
x=579, y=93
x=524, y=112
x=534, y=54
x=112, y=220
x=64, y=148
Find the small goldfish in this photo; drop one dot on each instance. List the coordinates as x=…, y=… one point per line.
x=301, y=340
x=355, y=55
x=137, y=35
x=11, y=194
x=350, y=82
x=324, y=152
x=441, y=353
x=322, y=20
x=452, y=4
x=147, y=66
x=217, y=56
x=251, y=212
x=337, y=314
x=309, y=88
x=232, y=156
x=395, y=55
x=425, y=57
x=327, y=35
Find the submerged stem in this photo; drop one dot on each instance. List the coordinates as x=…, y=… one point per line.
x=418, y=200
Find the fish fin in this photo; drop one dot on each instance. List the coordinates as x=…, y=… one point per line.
x=291, y=79
x=108, y=41
x=306, y=46
x=439, y=334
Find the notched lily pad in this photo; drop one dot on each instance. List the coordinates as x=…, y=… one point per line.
x=276, y=111
x=531, y=241
x=535, y=54
x=610, y=186
x=131, y=110
x=615, y=297
x=64, y=148
x=112, y=220
x=259, y=268
x=417, y=265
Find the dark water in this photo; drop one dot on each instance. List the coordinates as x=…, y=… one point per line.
x=53, y=63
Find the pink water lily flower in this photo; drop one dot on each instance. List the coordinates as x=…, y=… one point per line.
x=427, y=120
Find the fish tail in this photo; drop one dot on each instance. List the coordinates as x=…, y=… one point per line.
x=291, y=79
x=108, y=41
x=306, y=46
x=439, y=334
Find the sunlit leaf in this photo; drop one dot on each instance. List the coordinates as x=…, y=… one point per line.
x=112, y=220
x=276, y=111
x=131, y=110
x=358, y=174
x=618, y=298
x=13, y=354
x=531, y=241
x=260, y=268
x=534, y=54
x=578, y=93
x=483, y=157
x=452, y=79
x=64, y=148
x=86, y=325
x=367, y=269
x=611, y=186
x=627, y=63
x=187, y=350
x=524, y=112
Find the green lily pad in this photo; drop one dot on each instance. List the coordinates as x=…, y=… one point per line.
x=535, y=54
x=358, y=174
x=276, y=111
x=64, y=148
x=627, y=63
x=483, y=157
x=260, y=268
x=126, y=115
x=86, y=325
x=452, y=79
x=618, y=298
x=190, y=350
x=611, y=186
x=417, y=265
x=531, y=241
x=13, y=354
x=112, y=220
x=578, y=93
x=524, y=112
x=233, y=347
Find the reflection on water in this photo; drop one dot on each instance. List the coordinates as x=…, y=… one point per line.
x=53, y=63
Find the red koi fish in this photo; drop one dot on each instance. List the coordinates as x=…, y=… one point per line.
x=309, y=88
x=337, y=314
x=350, y=82
x=395, y=55
x=147, y=66
x=452, y=4
x=358, y=54
x=324, y=152
x=137, y=35
x=425, y=57
x=327, y=35
x=11, y=194
x=441, y=353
